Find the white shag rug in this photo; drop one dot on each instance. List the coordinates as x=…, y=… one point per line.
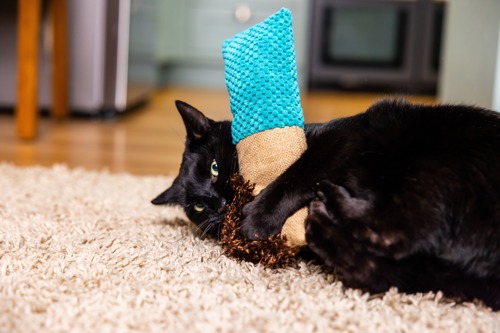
x=85, y=251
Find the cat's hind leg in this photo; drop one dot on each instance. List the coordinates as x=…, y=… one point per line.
x=366, y=222
x=334, y=233
x=338, y=249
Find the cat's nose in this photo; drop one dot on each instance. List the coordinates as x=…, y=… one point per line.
x=222, y=207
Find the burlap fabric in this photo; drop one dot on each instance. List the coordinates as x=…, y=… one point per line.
x=263, y=157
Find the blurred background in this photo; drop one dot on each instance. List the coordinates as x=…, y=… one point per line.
x=127, y=61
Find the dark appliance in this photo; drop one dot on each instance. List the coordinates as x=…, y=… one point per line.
x=384, y=45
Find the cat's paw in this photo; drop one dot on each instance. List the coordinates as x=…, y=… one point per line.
x=256, y=223
x=323, y=235
x=343, y=203
x=357, y=217
x=335, y=246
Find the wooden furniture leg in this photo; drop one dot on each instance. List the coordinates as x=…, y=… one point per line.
x=27, y=81
x=59, y=58
x=27, y=68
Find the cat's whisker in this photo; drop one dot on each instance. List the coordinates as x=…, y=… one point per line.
x=219, y=231
x=207, y=229
x=202, y=228
x=206, y=226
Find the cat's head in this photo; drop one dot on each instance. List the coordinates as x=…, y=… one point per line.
x=209, y=159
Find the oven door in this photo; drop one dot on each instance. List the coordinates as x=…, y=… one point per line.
x=363, y=42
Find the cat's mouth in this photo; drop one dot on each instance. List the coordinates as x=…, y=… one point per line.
x=212, y=226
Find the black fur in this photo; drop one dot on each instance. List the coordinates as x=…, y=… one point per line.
x=206, y=141
x=401, y=195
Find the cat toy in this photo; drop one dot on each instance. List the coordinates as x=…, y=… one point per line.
x=267, y=129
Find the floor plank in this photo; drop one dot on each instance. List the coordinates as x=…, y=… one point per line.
x=149, y=140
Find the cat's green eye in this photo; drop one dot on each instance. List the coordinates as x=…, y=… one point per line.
x=214, y=169
x=199, y=207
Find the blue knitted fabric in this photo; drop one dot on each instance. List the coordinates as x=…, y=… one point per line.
x=261, y=77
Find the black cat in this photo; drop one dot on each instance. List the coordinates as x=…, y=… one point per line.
x=209, y=159
x=401, y=195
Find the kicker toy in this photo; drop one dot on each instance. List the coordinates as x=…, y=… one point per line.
x=267, y=129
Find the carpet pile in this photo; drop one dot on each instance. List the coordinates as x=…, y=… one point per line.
x=85, y=251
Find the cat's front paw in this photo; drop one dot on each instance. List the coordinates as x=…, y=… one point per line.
x=257, y=224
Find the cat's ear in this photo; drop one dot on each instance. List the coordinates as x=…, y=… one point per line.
x=197, y=125
x=171, y=196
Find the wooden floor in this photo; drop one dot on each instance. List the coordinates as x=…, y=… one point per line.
x=148, y=140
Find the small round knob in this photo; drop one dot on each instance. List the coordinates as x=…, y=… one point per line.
x=242, y=14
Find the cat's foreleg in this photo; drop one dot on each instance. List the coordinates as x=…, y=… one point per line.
x=266, y=214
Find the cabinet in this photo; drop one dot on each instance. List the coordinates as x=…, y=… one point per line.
x=190, y=34
x=471, y=57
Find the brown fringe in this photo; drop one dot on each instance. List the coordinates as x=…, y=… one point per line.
x=272, y=252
